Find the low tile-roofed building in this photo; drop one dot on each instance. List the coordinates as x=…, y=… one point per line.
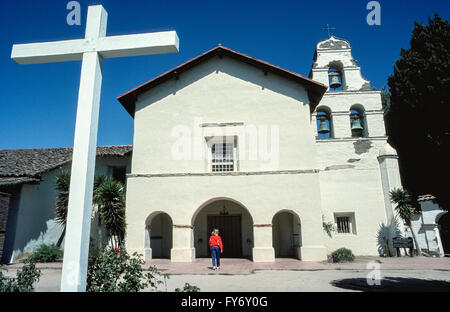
x=18, y=166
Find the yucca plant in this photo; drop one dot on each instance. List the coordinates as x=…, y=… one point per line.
x=62, y=184
x=404, y=208
x=109, y=196
x=98, y=181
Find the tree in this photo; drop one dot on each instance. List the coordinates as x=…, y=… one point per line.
x=98, y=180
x=404, y=208
x=417, y=111
x=109, y=196
x=62, y=184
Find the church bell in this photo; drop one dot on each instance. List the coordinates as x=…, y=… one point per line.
x=323, y=127
x=356, y=125
x=335, y=83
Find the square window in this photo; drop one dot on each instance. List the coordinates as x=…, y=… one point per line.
x=345, y=223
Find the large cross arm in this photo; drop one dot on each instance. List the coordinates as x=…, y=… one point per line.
x=108, y=47
x=140, y=44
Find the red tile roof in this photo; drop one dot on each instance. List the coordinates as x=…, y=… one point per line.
x=315, y=89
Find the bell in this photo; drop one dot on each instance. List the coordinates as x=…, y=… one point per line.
x=335, y=83
x=323, y=127
x=356, y=125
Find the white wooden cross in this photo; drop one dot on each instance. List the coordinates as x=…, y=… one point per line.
x=91, y=50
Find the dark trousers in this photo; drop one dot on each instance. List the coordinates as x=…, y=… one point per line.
x=215, y=254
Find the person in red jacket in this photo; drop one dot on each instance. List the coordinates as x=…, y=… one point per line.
x=215, y=243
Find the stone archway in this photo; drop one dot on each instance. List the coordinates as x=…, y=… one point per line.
x=158, y=236
x=443, y=222
x=286, y=234
x=234, y=223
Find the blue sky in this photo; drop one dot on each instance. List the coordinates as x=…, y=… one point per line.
x=38, y=102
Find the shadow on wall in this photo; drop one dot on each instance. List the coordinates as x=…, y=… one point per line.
x=393, y=284
x=384, y=237
x=46, y=237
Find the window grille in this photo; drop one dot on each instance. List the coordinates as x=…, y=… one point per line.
x=343, y=224
x=222, y=157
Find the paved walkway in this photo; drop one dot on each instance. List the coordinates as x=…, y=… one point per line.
x=406, y=274
x=245, y=266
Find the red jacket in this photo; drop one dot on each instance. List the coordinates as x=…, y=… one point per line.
x=215, y=240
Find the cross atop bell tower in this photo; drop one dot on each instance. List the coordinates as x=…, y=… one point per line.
x=328, y=30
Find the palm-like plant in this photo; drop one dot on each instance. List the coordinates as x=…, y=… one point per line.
x=404, y=208
x=98, y=181
x=62, y=184
x=109, y=196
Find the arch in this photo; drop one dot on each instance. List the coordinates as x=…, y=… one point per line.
x=443, y=221
x=336, y=68
x=234, y=222
x=158, y=235
x=286, y=234
x=357, y=111
x=324, y=114
x=214, y=199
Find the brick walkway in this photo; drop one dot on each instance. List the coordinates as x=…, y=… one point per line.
x=245, y=266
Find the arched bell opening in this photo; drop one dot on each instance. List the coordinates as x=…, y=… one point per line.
x=158, y=236
x=324, y=123
x=358, y=121
x=286, y=235
x=335, y=76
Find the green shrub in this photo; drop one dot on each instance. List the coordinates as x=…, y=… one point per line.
x=24, y=280
x=342, y=255
x=188, y=288
x=47, y=253
x=112, y=270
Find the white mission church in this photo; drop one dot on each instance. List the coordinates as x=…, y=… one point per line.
x=231, y=142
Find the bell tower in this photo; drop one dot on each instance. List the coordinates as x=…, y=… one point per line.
x=335, y=67
x=350, y=137
x=350, y=109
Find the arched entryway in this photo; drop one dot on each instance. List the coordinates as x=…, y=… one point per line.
x=444, y=231
x=234, y=223
x=286, y=234
x=158, y=236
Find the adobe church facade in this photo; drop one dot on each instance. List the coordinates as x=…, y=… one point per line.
x=269, y=157
x=263, y=154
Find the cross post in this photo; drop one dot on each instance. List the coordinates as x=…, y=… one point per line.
x=91, y=50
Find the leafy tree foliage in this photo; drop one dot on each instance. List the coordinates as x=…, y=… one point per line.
x=418, y=110
x=24, y=280
x=114, y=270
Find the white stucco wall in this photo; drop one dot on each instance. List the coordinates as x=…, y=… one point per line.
x=225, y=91
x=350, y=183
x=426, y=228
x=219, y=91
